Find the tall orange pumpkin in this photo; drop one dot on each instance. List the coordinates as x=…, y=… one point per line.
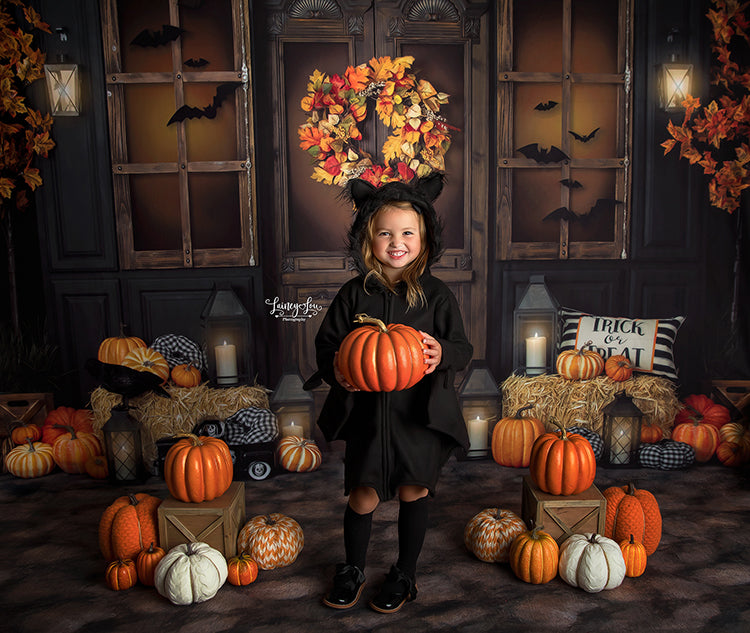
x=128, y=525
x=632, y=511
x=146, y=563
x=380, y=357
x=513, y=437
x=73, y=449
x=198, y=469
x=562, y=463
x=635, y=557
x=704, y=438
x=579, y=364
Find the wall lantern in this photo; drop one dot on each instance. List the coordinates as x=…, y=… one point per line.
x=122, y=442
x=63, y=84
x=674, y=78
x=227, y=337
x=621, y=432
x=535, y=329
x=479, y=398
x=294, y=407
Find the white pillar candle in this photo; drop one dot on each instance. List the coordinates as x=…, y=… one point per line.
x=292, y=429
x=536, y=354
x=477, y=428
x=226, y=361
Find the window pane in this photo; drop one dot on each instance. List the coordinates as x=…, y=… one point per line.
x=136, y=16
x=594, y=203
x=595, y=35
x=537, y=36
x=536, y=193
x=211, y=138
x=215, y=210
x=537, y=126
x=147, y=110
x=594, y=106
x=208, y=29
x=155, y=202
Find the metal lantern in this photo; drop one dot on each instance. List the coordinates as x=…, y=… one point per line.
x=227, y=336
x=479, y=398
x=122, y=441
x=294, y=407
x=535, y=329
x=622, y=431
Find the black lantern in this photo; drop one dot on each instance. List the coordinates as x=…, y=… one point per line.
x=122, y=441
x=621, y=432
x=294, y=407
x=227, y=332
x=535, y=329
x=479, y=398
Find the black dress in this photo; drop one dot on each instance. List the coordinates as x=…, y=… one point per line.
x=399, y=437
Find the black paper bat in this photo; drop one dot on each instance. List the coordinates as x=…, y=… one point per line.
x=542, y=154
x=602, y=205
x=571, y=184
x=153, y=39
x=584, y=138
x=189, y=112
x=545, y=105
x=195, y=63
x=561, y=213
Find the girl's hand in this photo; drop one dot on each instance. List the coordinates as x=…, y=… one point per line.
x=433, y=352
x=339, y=376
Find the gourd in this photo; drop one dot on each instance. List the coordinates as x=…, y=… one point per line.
x=112, y=350
x=35, y=459
x=618, y=367
x=731, y=454
x=489, y=534
x=73, y=449
x=241, y=570
x=579, y=364
x=96, y=466
x=271, y=540
x=128, y=524
x=632, y=511
x=121, y=574
x=57, y=419
x=198, y=469
x=147, y=359
x=23, y=431
x=592, y=562
x=190, y=573
x=298, y=454
x=736, y=433
x=651, y=433
x=380, y=357
x=562, y=463
x=534, y=556
x=701, y=409
x=704, y=438
x=146, y=563
x=513, y=437
x=635, y=557
x=186, y=375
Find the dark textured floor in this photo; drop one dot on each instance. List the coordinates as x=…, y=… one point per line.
x=51, y=574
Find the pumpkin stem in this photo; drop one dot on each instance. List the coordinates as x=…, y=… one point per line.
x=592, y=538
x=564, y=435
x=30, y=442
x=69, y=429
x=522, y=409
x=632, y=540
x=269, y=520
x=133, y=499
x=698, y=415
x=631, y=488
x=364, y=318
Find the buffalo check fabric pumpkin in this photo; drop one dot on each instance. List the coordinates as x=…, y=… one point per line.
x=250, y=425
x=647, y=343
x=180, y=350
x=666, y=455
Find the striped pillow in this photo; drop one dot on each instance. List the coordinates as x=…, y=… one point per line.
x=647, y=343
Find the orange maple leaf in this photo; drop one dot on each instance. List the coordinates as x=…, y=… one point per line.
x=358, y=77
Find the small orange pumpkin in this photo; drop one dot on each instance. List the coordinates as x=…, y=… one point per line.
x=112, y=350
x=635, y=557
x=579, y=364
x=298, y=454
x=121, y=574
x=534, y=556
x=241, y=570
x=145, y=564
x=96, y=466
x=23, y=431
x=618, y=367
x=147, y=359
x=187, y=375
x=651, y=433
x=737, y=433
x=731, y=454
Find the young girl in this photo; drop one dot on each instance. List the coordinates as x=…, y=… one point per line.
x=396, y=442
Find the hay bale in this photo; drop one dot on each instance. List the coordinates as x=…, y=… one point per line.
x=579, y=402
x=186, y=407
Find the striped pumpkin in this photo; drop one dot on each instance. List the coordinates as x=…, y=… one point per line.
x=490, y=533
x=112, y=350
x=298, y=454
x=271, y=540
x=33, y=459
x=704, y=438
x=148, y=359
x=736, y=433
x=121, y=574
x=72, y=450
x=579, y=364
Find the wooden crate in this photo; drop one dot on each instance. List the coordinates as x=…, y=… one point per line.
x=562, y=516
x=216, y=522
x=734, y=394
x=27, y=407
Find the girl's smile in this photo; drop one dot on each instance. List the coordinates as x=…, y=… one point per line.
x=396, y=240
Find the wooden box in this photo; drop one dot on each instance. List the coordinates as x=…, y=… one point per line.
x=27, y=407
x=216, y=522
x=562, y=516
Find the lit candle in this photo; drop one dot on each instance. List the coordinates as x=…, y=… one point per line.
x=618, y=452
x=477, y=428
x=536, y=354
x=292, y=429
x=226, y=363
x=124, y=457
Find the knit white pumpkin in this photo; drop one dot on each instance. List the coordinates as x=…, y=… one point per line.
x=191, y=572
x=591, y=562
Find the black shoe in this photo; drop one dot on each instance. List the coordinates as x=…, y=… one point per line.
x=396, y=590
x=347, y=587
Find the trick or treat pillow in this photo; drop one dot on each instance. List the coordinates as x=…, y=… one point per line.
x=647, y=343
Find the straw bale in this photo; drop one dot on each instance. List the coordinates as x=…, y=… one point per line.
x=161, y=416
x=580, y=402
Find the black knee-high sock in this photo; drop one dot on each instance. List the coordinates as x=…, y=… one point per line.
x=356, y=536
x=412, y=527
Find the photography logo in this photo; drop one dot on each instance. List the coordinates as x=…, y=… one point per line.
x=292, y=310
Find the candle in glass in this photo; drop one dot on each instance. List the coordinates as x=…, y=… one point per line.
x=536, y=354
x=226, y=363
x=477, y=429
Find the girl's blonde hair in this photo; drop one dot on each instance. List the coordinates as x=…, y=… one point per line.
x=412, y=272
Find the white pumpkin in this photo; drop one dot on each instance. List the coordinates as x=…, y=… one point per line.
x=591, y=562
x=191, y=572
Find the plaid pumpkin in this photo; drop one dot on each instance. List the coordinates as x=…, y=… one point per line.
x=666, y=455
